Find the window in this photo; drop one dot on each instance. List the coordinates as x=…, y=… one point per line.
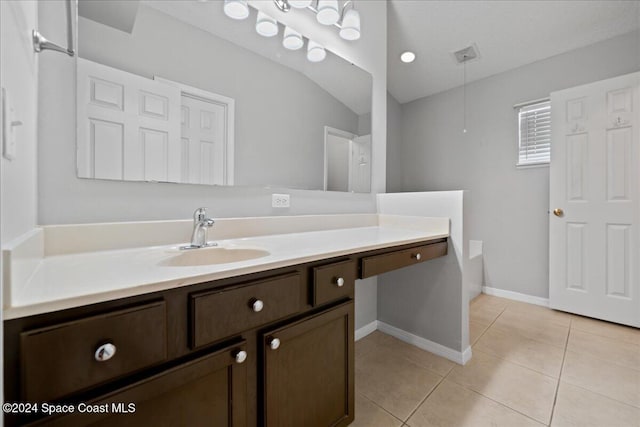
x=534, y=133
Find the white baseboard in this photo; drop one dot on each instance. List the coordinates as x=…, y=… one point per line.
x=516, y=296
x=366, y=330
x=423, y=343
x=466, y=355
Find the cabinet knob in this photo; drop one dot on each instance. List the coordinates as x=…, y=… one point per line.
x=339, y=281
x=256, y=305
x=240, y=356
x=274, y=343
x=418, y=257
x=105, y=352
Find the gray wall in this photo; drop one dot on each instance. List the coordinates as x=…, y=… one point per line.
x=280, y=113
x=508, y=206
x=429, y=299
x=394, y=145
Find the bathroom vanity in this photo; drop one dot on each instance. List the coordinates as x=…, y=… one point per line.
x=262, y=343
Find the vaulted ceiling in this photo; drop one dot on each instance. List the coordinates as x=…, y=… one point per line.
x=508, y=34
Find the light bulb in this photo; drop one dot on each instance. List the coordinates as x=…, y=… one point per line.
x=328, y=12
x=265, y=25
x=315, y=52
x=407, y=57
x=236, y=9
x=300, y=4
x=292, y=39
x=350, y=25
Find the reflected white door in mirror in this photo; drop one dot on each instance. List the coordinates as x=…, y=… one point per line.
x=347, y=161
x=138, y=129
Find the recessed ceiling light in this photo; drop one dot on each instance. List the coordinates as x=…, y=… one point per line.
x=407, y=57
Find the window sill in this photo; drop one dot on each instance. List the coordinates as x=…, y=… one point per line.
x=532, y=165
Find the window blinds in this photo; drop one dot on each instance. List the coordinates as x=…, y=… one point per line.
x=534, y=125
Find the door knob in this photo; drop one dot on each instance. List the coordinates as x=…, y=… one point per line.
x=558, y=212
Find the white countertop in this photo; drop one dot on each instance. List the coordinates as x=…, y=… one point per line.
x=71, y=280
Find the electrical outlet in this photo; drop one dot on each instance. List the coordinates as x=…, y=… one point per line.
x=280, y=201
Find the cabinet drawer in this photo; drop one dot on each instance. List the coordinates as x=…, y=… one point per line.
x=61, y=359
x=377, y=264
x=222, y=313
x=333, y=281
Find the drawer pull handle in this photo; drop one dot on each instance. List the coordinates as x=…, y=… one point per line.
x=256, y=305
x=105, y=352
x=339, y=281
x=274, y=343
x=416, y=256
x=240, y=356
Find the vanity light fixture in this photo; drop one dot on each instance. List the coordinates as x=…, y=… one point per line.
x=292, y=39
x=407, y=57
x=236, y=9
x=328, y=12
x=315, y=52
x=265, y=25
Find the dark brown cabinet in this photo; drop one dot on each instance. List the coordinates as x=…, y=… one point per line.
x=388, y=261
x=308, y=371
x=269, y=349
x=60, y=359
x=209, y=391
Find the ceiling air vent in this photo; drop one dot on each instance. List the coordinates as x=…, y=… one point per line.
x=469, y=53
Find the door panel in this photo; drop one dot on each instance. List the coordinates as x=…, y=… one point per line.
x=204, y=130
x=309, y=377
x=595, y=172
x=128, y=125
x=360, y=168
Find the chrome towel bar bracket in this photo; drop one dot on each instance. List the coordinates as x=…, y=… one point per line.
x=40, y=43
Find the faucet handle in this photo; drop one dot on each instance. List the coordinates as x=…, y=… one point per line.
x=200, y=215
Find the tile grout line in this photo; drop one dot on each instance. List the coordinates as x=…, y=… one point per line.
x=426, y=397
x=376, y=404
x=521, y=365
x=517, y=364
x=504, y=405
x=469, y=389
x=564, y=357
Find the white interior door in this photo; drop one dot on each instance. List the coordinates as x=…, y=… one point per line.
x=360, y=167
x=128, y=125
x=203, y=141
x=595, y=160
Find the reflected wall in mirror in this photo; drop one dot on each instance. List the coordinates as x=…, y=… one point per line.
x=176, y=91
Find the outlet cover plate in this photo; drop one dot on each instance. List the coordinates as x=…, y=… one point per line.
x=280, y=200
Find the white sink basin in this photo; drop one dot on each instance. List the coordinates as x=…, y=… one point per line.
x=215, y=255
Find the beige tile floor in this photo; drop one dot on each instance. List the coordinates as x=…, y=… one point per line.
x=531, y=366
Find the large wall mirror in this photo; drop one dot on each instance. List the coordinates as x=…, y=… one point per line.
x=175, y=91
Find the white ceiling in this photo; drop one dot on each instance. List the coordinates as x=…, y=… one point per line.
x=509, y=34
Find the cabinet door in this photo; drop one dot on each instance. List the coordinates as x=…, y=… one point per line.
x=309, y=371
x=210, y=391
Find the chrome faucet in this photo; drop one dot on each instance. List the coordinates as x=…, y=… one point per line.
x=200, y=226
